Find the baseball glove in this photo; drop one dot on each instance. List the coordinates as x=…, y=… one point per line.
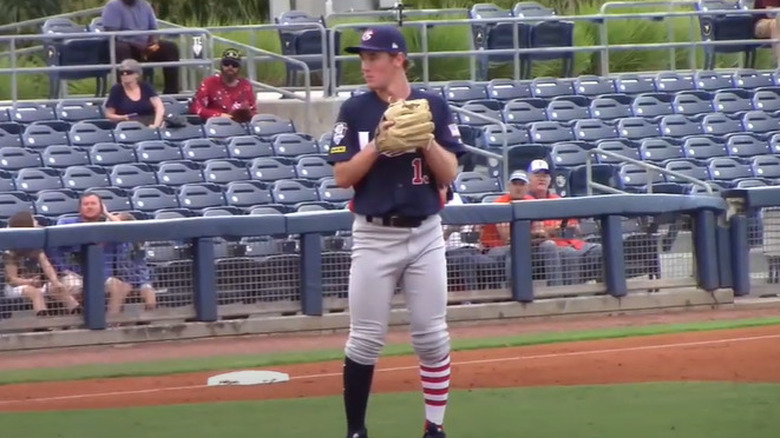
x=412, y=127
x=242, y=115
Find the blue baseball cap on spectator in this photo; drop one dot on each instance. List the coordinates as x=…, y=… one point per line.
x=387, y=39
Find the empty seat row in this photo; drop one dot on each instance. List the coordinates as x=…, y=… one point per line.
x=72, y=110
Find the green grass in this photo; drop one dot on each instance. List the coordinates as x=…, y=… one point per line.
x=267, y=360
x=659, y=410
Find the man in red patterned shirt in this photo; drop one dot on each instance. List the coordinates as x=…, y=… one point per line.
x=226, y=94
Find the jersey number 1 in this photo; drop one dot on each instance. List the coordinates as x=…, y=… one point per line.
x=419, y=178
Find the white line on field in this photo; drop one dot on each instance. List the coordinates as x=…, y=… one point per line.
x=414, y=367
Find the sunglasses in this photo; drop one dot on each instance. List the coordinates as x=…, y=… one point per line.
x=230, y=64
x=126, y=72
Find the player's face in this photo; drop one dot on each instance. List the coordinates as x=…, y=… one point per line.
x=379, y=68
x=540, y=182
x=518, y=189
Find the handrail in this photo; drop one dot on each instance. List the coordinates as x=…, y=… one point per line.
x=647, y=166
x=504, y=157
x=392, y=13
x=35, y=21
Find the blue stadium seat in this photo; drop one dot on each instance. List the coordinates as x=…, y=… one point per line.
x=313, y=168
x=547, y=88
x=247, y=194
x=504, y=90
x=692, y=103
x=54, y=203
x=630, y=83
x=637, y=128
x=247, y=147
x=7, y=183
x=526, y=110
x=549, y=132
x=110, y=154
x=35, y=179
x=14, y=202
x=748, y=183
x=483, y=110
x=177, y=173
x=460, y=92
x=475, y=183
x=520, y=157
x=270, y=169
x=324, y=141
x=774, y=144
x=291, y=192
x=86, y=177
x=329, y=191
x=4, y=115
x=77, y=111
x=591, y=85
x=728, y=170
x=635, y=178
x=293, y=145
x=221, y=211
x=611, y=107
x=576, y=184
x=203, y=149
x=759, y=122
x=703, y=148
x=268, y=125
x=678, y=125
x=652, y=105
x=724, y=23
x=688, y=168
x=154, y=198
x=720, y=124
x=198, y=197
x=732, y=101
x=87, y=133
x=751, y=79
x=545, y=33
x=271, y=209
x=568, y=154
x=128, y=176
x=566, y=110
x=313, y=206
x=710, y=80
x=766, y=100
x=222, y=127
x=174, y=106
x=593, y=129
x=746, y=145
x=10, y=135
x=155, y=152
x=492, y=36
x=492, y=136
x=64, y=156
x=114, y=198
x=29, y=112
x=621, y=147
x=75, y=50
x=179, y=134
x=672, y=82
x=15, y=158
x=39, y=136
x=223, y=171
x=303, y=38
x=766, y=166
x=658, y=150
x=132, y=131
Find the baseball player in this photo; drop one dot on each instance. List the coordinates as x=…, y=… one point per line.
x=396, y=147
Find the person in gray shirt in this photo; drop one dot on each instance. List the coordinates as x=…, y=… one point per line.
x=121, y=15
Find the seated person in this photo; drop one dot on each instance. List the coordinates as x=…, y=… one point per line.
x=132, y=269
x=133, y=99
x=581, y=261
x=226, y=94
x=121, y=15
x=765, y=25
x=29, y=273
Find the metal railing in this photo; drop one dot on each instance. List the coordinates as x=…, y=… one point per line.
x=504, y=156
x=39, y=21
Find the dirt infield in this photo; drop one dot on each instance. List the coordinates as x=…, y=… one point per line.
x=744, y=355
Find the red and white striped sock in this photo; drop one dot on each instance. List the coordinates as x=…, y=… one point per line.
x=435, y=379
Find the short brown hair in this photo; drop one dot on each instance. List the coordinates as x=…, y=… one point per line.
x=22, y=219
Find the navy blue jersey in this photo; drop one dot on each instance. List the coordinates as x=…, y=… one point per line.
x=400, y=185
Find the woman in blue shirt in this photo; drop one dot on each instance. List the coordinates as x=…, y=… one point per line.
x=134, y=99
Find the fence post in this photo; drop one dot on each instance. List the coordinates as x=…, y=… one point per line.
x=205, y=280
x=521, y=268
x=311, y=274
x=725, y=272
x=705, y=250
x=613, y=256
x=94, y=284
x=740, y=255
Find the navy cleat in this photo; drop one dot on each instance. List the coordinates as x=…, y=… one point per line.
x=434, y=431
x=361, y=434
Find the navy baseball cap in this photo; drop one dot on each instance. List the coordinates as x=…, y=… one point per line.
x=380, y=39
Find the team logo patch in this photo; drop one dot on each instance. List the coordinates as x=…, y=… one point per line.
x=454, y=130
x=339, y=132
x=367, y=35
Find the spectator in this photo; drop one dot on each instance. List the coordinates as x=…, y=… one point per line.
x=226, y=94
x=581, y=260
x=765, y=26
x=132, y=269
x=26, y=272
x=124, y=15
x=133, y=99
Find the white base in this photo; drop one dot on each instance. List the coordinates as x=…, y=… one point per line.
x=248, y=377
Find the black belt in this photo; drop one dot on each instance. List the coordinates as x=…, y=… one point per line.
x=397, y=221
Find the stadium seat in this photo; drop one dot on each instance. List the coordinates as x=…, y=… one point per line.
x=10, y=135
x=15, y=158
x=198, y=197
x=64, y=156
x=290, y=192
x=177, y=173
x=636, y=178
x=547, y=88
x=492, y=36
x=271, y=169
x=87, y=133
x=746, y=146
x=630, y=83
x=460, y=92
x=688, y=168
x=593, y=129
x=720, y=124
x=247, y=194
x=203, y=149
x=293, y=145
x=86, y=177
x=247, y=147
x=709, y=80
x=35, y=179
x=273, y=209
x=591, y=85
x=54, y=203
x=759, y=122
x=549, y=132
x=732, y=101
x=526, y=110
x=302, y=40
x=223, y=171
x=174, y=106
x=329, y=191
x=621, y=147
x=750, y=183
x=637, y=128
x=475, y=183
x=658, y=150
x=728, y=170
x=765, y=100
x=150, y=199
x=77, y=111
x=14, y=202
x=611, y=107
x=566, y=110
x=520, y=156
x=129, y=132
x=752, y=79
x=268, y=125
x=128, y=176
x=7, y=183
x=74, y=51
x=766, y=166
x=110, y=154
x=504, y=90
x=492, y=136
x=652, y=105
x=182, y=133
x=576, y=184
x=313, y=168
x=222, y=127
x=692, y=103
x=29, y=112
x=39, y=136
x=774, y=144
x=483, y=110
x=678, y=125
x=568, y=154
x=721, y=25
x=703, y=148
x=114, y=198
x=672, y=82
x=545, y=33
x=221, y=211
x=155, y=152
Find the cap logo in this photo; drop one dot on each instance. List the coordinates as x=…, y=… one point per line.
x=367, y=35
x=395, y=46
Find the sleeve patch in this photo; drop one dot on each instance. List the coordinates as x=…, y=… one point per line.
x=339, y=132
x=338, y=150
x=454, y=130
